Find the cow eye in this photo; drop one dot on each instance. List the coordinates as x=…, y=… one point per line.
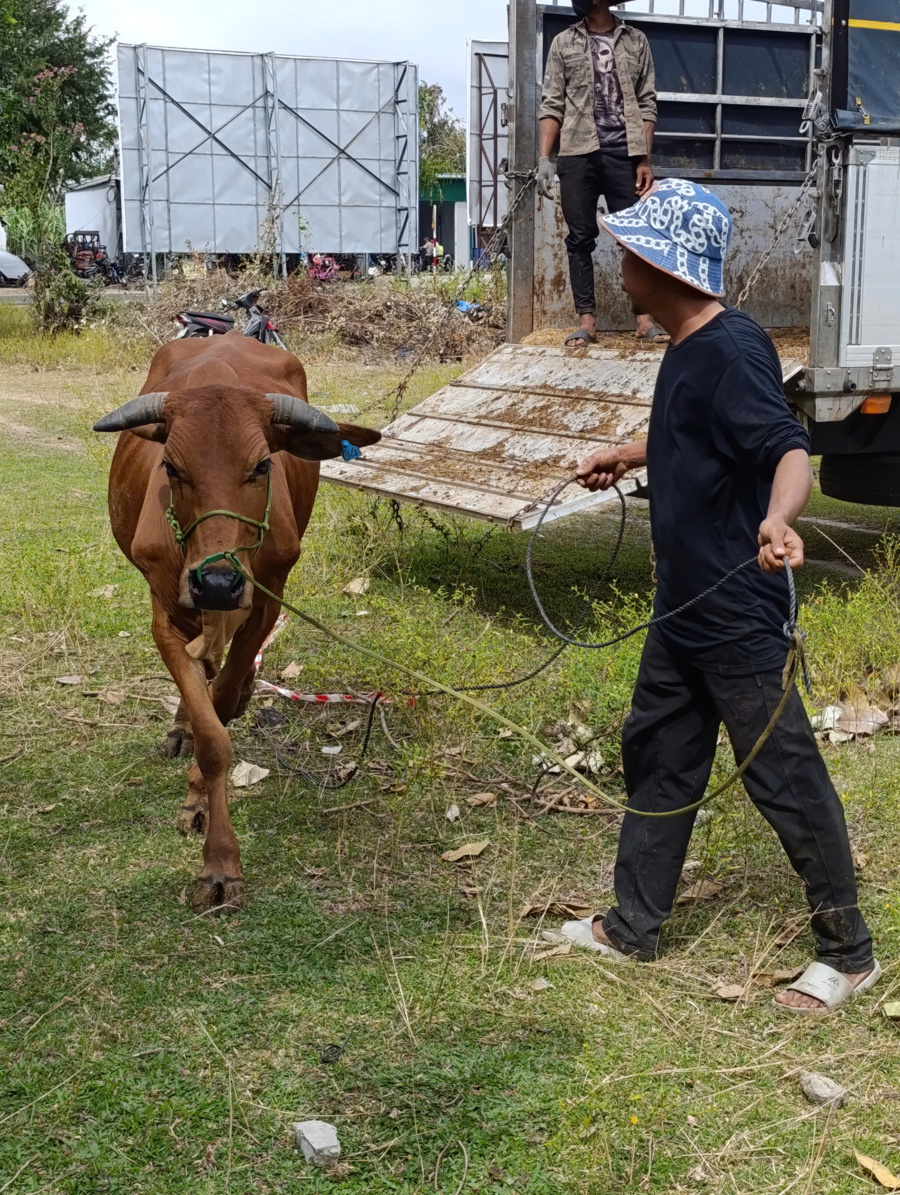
x=262, y=468
x=173, y=473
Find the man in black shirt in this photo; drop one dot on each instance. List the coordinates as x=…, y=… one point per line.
x=729, y=473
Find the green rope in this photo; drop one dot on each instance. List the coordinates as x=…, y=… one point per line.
x=181, y=537
x=792, y=667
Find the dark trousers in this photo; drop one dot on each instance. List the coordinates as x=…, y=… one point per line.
x=583, y=178
x=668, y=747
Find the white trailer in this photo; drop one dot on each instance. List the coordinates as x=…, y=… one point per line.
x=94, y=206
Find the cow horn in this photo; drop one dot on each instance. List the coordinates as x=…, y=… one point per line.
x=146, y=408
x=296, y=413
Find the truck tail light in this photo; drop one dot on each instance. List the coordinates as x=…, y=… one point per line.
x=876, y=404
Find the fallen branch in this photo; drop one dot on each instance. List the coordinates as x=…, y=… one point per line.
x=351, y=805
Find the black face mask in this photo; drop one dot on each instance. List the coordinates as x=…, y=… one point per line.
x=583, y=8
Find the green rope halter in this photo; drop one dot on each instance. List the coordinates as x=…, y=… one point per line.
x=181, y=536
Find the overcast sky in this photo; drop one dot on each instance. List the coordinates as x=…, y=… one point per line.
x=431, y=35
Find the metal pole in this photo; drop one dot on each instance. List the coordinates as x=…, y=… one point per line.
x=720, y=75
x=273, y=153
x=146, y=196
x=825, y=313
x=406, y=124
x=523, y=130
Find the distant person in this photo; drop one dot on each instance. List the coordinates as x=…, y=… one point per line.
x=599, y=99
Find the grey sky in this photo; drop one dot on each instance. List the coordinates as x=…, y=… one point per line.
x=431, y=35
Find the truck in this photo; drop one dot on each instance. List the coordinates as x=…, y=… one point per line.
x=796, y=124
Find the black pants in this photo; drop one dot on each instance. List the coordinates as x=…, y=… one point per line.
x=583, y=178
x=668, y=746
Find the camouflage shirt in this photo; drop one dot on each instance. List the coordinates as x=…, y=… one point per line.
x=569, y=88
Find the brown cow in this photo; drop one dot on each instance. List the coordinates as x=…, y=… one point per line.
x=222, y=424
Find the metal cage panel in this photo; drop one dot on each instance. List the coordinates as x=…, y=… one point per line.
x=231, y=153
x=488, y=140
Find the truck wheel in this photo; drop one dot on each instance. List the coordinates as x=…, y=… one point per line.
x=871, y=478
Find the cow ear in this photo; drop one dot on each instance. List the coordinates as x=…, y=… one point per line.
x=319, y=445
x=151, y=431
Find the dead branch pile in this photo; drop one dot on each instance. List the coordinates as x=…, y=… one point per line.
x=381, y=316
x=389, y=314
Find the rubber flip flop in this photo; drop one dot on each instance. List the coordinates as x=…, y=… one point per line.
x=581, y=334
x=580, y=933
x=655, y=335
x=831, y=987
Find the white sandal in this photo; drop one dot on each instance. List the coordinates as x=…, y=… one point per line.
x=580, y=933
x=831, y=987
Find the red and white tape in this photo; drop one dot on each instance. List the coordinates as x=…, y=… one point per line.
x=264, y=686
x=272, y=635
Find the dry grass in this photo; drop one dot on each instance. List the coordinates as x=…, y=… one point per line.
x=150, y=1051
x=381, y=317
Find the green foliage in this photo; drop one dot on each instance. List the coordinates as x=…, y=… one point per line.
x=442, y=138
x=28, y=227
x=56, y=110
x=855, y=631
x=61, y=302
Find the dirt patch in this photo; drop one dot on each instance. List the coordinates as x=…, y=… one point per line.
x=29, y=388
x=27, y=392
x=791, y=342
x=30, y=435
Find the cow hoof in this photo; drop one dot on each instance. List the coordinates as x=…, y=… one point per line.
x=192, y=819
x=179, y=742
x=218, y=892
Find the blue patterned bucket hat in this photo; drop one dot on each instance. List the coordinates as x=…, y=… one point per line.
x=679, y=227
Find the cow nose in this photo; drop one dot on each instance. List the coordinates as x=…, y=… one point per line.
x=216, y=590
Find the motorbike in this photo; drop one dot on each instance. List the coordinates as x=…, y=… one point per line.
x=128, y=267
x=323, y=269
x=204, y=323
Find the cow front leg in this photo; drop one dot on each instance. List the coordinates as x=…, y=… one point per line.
x=221, y=881
x=179, y=741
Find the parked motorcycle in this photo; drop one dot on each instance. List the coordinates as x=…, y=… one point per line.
x=204, y=323
x=128, y=267
x=324, y=268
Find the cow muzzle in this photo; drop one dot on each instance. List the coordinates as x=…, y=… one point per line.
x=217, y=589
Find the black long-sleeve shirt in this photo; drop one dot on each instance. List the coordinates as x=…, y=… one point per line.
x=718, y=428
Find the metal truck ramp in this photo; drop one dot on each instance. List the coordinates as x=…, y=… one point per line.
x=498, y=440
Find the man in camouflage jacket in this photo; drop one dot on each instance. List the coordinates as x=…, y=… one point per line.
x=599, y=100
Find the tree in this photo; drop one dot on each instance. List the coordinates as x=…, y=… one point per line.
x=56, y=126
x=55, y=100
x=442, y=139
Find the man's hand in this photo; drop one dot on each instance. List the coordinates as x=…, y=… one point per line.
x=600, y=471
x=545, y=175
x=644, y=180
x=778, y=542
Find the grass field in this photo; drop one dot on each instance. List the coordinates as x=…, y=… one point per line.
x=144, y=1049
